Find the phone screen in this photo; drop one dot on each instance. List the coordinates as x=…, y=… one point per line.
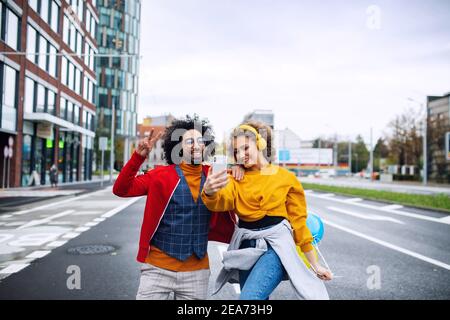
x=219, y=164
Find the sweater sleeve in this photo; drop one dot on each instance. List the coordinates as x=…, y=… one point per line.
x=297, y=214
x=127, y=183
x=223, y=200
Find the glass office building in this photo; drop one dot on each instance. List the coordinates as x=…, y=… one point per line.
x=118, y=74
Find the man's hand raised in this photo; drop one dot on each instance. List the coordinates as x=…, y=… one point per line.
x=145, y=145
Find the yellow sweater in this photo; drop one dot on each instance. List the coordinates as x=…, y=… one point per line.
x=274, y=191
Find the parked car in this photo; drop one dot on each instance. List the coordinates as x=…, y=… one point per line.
x=325, y=173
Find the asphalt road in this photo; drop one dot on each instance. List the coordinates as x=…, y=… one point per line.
x=377, y=251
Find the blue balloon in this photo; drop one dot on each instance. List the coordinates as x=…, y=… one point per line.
x=315, y=225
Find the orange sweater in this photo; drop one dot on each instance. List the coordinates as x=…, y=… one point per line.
x=156, y=257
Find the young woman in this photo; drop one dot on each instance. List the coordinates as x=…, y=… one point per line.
x=271, y=207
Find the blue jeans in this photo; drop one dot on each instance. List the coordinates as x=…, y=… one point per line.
x=262, y=279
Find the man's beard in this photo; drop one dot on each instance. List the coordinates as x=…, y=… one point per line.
x=194, y=160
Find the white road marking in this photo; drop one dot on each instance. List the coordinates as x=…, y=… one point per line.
x=392, y=207
x=5, y=216
x=56, y=244
x=81, y=229
x=108, y=189
x=91, y=224
x=365, y=216
x=99, y=219
x=51, y=204
x=112, y=212
x=353, y=200
x=38, y=254
x=37, y=193
x=85, y=213
x=46, y=220
x=70, y=235
x=446, y=219
x=15, y=223
x=401, y=213
x=222, y=249
x=61, y=223
x=308, y=191
x=389, y=245
x=328, y=195
x=13, y=268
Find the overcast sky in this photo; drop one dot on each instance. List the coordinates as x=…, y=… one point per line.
x=323, y=67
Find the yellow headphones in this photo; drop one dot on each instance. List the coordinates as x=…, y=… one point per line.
x=261, y=143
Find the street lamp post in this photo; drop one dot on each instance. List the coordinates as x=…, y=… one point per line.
x=425, y=164
x=111, y=156
x=350, y=157
x=371, y=154
x=424, y=142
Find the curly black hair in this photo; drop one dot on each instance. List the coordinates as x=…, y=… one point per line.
x=174, y=135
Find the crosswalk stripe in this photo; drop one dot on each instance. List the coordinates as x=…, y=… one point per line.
x=13, y=268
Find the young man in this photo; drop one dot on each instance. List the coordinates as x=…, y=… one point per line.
x=176, y=225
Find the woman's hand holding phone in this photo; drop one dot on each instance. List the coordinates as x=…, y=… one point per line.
x=215, y=181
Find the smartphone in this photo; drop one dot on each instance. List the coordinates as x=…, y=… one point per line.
x=219, y=163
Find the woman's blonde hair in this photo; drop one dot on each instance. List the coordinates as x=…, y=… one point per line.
x=263, y=129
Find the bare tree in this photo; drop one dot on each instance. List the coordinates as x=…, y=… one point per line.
x=405, y=138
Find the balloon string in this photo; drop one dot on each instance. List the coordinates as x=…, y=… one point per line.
x=323, y=258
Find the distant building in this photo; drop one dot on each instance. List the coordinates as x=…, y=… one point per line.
x=164, y=120
x=266, y=116
x=438, y=119
x=287, y=139
x=300, y=157
x=156, y=125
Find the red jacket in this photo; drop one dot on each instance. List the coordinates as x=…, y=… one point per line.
x=159, y=185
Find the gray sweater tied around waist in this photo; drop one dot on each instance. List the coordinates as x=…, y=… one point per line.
x=280, y=237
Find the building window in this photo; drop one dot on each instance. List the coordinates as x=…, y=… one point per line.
x=52, y=66
x=9, y=98
x=51, y=102
x=93, y=27
x=44, y=10
x=11, y=32
x=88, y=20
x=40, y=102
x=80, y=9
x=33, y=4
x=66, y=30
x=89, y=56
x=29, y=95
x=54, y=21
x=64, y=71
x=85, y=88
x=79, y=44
x=31, y=43
x=84, y=119
x=76, y=114
x=69, y=111
x=71, y=76
x=62, y=108
x=73, y=35
x=42, y=53
x=91, y=92
x=77, y=81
